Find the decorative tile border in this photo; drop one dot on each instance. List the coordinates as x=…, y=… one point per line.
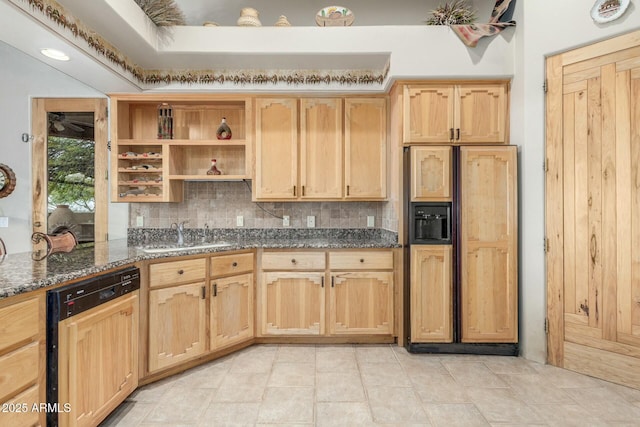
x=55, y=13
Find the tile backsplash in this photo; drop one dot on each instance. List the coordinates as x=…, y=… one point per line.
x=218, y=204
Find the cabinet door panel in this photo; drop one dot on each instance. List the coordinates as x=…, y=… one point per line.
x=481, y=114
x=293, y=303
x=365, y=148
x=488, y=230
x=231, y=310
x=177, y=325
x=428, y=113
x=431, y=171
x=362, y=303
x=276, y=149
x=431, y=294
x=321, y=148
x=98, y=366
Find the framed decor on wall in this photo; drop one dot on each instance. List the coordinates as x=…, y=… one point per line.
x=608, y=10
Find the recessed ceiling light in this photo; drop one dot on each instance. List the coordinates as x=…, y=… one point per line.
x=55, y=54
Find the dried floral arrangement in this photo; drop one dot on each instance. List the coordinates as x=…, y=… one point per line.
x=454, y=13
x=163, y=13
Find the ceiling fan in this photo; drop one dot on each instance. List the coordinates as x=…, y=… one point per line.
x=77, y=122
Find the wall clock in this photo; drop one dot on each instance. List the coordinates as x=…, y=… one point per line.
x=608, y=10
x=7, y=180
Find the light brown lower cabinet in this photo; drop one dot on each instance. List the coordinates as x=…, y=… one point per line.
x=361, y=303
x=97, y=363
x=177, y=324
x=352, y=294
x=293, y=303
x=231, y=310
x=22, y=361
x=431, y=293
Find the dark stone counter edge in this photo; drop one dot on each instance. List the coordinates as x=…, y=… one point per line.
x=139, y=255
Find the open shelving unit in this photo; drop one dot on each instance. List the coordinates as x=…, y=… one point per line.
x=148, y=168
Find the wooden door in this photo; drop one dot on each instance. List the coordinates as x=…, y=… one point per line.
x=177, y=325
x=321, y=148
x=98, y=361
x=593, y=209
x=481, y=113
x=431, y=293
x=361, y=303
x=428, y=113
x=489, y=244
x=276, y=149
x=365, y=147
x=293, y=303
x=431, y=172
x=231, y=314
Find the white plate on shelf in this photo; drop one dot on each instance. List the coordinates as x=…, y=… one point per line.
x=608, y=10
x=334, y=16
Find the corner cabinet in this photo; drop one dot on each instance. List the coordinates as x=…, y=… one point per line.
x=149, y=163
x=465, y=113
x=321, y=149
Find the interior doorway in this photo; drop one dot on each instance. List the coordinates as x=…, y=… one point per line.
x=70, y=163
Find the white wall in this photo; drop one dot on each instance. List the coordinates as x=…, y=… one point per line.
x=548, y=27
x=21, y=79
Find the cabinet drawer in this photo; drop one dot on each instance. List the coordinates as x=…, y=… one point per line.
x=170, y=273
x=18, y=322
x=21, y=413
x=361, y=260
x=231, y=264
x=20, y=368
x=293, y=260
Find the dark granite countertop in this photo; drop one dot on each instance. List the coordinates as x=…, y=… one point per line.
x=19, y=273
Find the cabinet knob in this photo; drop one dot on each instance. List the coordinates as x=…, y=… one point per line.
x=293, y=261
x=361, y=259
x=235, y=264
x=180, y=271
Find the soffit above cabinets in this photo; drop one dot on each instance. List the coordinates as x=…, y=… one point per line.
x=134, y=55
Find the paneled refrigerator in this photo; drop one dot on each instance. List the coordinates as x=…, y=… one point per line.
x=461, y=286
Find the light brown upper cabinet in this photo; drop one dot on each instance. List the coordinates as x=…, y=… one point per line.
x=276, y=149
x=316, y=149
x=321, y=148
x=365, y=140
x=456, y=113
x=431, y=171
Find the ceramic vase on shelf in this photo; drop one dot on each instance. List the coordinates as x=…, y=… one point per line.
x=249, y=18
x=282, y=22
x=224, y=131
x=61, y=215
x=213, y=170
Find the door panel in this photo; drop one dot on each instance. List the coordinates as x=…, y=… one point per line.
x=321, y=148
x=276, y=148
x=594, y=101
x=488, y=250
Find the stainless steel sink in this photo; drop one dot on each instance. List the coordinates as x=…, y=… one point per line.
x=161, y=248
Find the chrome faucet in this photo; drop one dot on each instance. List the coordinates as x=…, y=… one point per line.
x=180, y=228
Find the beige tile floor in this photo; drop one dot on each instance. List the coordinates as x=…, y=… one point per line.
x=376, y=385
